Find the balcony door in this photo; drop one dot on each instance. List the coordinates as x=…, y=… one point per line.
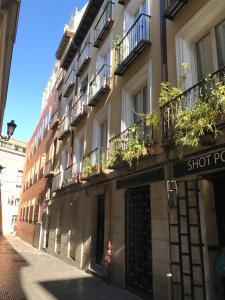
x=210, y=51
x=140, y=104
x=103, y=141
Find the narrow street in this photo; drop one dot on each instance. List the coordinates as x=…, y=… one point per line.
x=29, y=274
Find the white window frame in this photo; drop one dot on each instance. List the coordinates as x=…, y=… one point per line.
x=202, y=22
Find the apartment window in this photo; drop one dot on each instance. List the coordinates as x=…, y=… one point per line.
x=81, y=150
x=103, y=135
x=140, y=104
x=220, y=40
x=83, y=87
x=31, y=214
x=210, y=51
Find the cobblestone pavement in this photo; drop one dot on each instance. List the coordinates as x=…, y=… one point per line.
x=29, y=274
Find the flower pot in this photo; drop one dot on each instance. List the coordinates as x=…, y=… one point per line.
x=207, y=139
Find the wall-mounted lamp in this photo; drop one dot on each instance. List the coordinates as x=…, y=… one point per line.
x=1, y=168
x=11, y=126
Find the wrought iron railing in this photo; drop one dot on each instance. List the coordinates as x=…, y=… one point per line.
x=48, y=171
x=100, y=81
x=83, y=58
x=170, y=110
x=173, y=7
x=72, y=174
x=54, y=119
x=79, y=109
x=136, y=140
x=138, y=33
x=57, y=182
x=103, y=23
x=69, y=83
x=94, y=162
x=64, y=127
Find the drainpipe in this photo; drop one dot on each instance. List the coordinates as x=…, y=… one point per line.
x=164, y=72
x=109, y=245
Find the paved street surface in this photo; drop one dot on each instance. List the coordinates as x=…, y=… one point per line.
x=29, y=274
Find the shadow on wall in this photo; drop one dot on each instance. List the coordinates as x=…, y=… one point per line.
x=11, y=263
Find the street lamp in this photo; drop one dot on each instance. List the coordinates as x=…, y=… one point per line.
x=11, y=126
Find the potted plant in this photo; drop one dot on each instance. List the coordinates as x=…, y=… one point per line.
x=196, y=124
x=116, y=154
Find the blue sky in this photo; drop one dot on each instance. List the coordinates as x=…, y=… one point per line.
x=39, y=32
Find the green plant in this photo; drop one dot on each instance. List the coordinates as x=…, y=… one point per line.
x=117, y=41
x=116, y=153
x=168, y=92
x=194, y=122
x=88, y=169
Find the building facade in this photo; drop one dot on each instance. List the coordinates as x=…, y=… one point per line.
x=12, y=154
x=9, y=12
x=128, y=199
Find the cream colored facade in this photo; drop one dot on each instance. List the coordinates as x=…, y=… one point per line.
x=152, y=226
x=12, y=156
x=9, y=11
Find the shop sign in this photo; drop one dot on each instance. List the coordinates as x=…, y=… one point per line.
x=200, y=164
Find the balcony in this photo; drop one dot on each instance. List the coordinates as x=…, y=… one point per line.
x=59, y=79
x=79, y=110
x=64, y=127
x=133, y=143
x=54, y=122
x=104, y=24
x=202, y=92
x=133, y=44
x=100, y=85
x=173, y=7
x=72, y=174
x=69, y=83
x=83, y=58
x=48, y=171
x=94, y=163
x=57, y=182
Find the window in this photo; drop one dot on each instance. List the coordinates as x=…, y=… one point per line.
x=83, y=88
x=220, y=40
x=210, y=51
x=103, y=136
x=141, y=104
x=204, y=57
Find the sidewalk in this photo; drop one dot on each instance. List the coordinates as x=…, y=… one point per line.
x=29, y=274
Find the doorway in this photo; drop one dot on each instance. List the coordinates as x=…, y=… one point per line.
x=219, y=198
x=100, y=229
x=138, y=245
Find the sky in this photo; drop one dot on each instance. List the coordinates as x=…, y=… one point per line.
x=40, y=29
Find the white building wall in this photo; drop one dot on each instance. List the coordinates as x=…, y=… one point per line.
x=10, y=186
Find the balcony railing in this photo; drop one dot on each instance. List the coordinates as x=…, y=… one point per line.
x=54, y=120
x=57, y=182
x=48, y=171
x=79, y=110
x=173, y=7
x=69, y=83
x=104, y=24
x=94, y=162
x=84, y=58
x=170, y=110
x=64, y=127
x=132, y=143
x=100, y=85
x=59, y=79
x=72, y=174
x=133, y=44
